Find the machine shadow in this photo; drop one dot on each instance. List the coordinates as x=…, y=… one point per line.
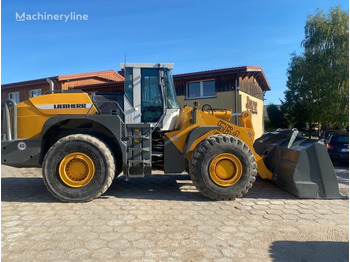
x=310, y=251
x=25, y=189
x=178, y=187
x=161, y=187
x=265, y=189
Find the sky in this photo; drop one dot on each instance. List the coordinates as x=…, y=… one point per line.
x=195, y=35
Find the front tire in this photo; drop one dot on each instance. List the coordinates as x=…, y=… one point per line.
x=223, y=167
x=78, y=168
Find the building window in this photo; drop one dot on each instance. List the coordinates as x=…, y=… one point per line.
x=201, y=89
x=14, y=96
x=35, y=92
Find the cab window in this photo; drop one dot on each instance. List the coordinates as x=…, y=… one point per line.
x=151, y=96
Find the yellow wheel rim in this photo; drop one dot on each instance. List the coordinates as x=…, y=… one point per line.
x=225, y=170
x=76, y=169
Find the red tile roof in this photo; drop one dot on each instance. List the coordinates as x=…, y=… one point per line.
x=110, y=75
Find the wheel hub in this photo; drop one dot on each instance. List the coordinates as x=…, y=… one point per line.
x=225, y=169
x=76, y=169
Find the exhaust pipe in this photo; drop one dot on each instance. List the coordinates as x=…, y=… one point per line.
x=51, y=85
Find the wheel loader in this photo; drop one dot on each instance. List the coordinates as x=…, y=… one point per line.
x=83, y=141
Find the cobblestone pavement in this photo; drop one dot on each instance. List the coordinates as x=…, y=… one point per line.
x=163, y=218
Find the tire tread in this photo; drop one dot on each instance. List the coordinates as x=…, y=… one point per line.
x=100, y=146
x=198, y=156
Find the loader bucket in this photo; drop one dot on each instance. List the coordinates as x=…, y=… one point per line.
x=300, y=166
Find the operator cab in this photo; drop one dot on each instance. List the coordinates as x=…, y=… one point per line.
x=149, y=95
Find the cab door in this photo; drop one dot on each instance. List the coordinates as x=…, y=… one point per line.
x=152, y=106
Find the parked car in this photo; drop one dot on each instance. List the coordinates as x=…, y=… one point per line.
x=327, y=134
x=338, y=147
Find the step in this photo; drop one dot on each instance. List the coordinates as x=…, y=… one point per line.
x=139, y=161
x=140, y=137
x=135, y=148
x=135, y=176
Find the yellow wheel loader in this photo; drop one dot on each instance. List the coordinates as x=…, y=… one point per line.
x=82, y=141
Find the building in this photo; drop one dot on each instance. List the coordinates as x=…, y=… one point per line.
x=21, y=91
x=108, y=80
x=236, y=88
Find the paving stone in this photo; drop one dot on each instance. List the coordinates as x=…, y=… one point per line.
x=230, y=252
x=95, y=244
x=272, y=217
x=207, y=229
x=143, y=244
x=132, y=236
x=44, y=245
x=307, y=216
x=262, y=202
x=274, y=211
x=49, y=255
x=104, y=254
x=78, y=254
x=289, y=216
x=131, y=253
x=102, y=229
x=223, y=259
x=173, y=222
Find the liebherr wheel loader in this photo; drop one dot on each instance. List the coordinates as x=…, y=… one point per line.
x=83, y=141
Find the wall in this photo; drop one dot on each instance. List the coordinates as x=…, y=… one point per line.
x=223, y=100
x=222, y=83
x=226, y=100
x=24, y=90
x=250, y=86
x=257, y=117
x=224, y=87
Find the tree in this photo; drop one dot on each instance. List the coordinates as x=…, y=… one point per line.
x=318, y=79
x=276, y=118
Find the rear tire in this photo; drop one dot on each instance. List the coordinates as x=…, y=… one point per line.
x=78, y=168
x=205, y=159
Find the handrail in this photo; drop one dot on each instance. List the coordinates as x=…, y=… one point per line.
x=7, y=122
x=5, y=106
